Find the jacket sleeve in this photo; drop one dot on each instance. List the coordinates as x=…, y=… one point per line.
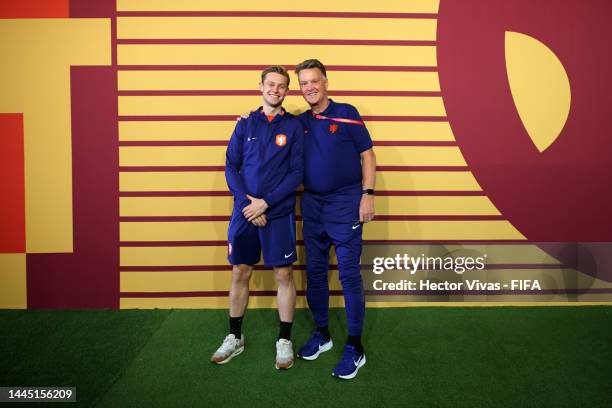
x=233, y=164
x=296, y=170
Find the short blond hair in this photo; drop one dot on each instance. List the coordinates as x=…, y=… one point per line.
x=276, y=69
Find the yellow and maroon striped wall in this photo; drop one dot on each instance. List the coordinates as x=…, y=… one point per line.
x=116, y=116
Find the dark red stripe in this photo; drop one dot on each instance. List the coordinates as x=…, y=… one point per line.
x=209, y=268
x=224, y=143
x=299, y=218
x=430, y=193
x=171, y=243
x=234, y=117
x=273, y=41
x=327, y=14
x=227, y=92
x=439, y=218
x=413, y=143
x=227, y=193
x=176, y=218
x=268, y=293
x=198, y=268
x=218, y=67
x=146, y=169
x=176, y=143
x=174, y=118
x=113, y=22
x=174, y=194
x=405, y=118
x=12, y=182
x=301, y=243
x=210, y=293
x=443, y=242
x=422, y=168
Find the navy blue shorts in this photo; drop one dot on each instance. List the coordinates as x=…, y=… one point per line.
x=276, y=241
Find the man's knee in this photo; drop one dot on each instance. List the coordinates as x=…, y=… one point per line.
x=284, y=275
x=241, y=273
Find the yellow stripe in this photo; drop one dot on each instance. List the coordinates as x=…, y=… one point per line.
x=168, y=181
x=255, y=302
x=172, y=156
x=248, y=80
x=221, y=130
x=208, y=281
x=424, y=205
x=174, y=206
x=173, y=256
x=385, y=205
x=410, y=131
x=419, y=156
x=188, y=256
x=269, y=54
x=376, y=230
x=13, y=286
x=441, y=230
x=235, y=105
x=388, y=6
x=175, y=130
x=426, y=181
x=215, y=156
x=277, y=27
x=215, y=181
x=217, y=255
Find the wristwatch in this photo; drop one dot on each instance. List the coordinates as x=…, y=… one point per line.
x=368, y=191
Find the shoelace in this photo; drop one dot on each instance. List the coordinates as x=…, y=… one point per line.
x=284, y=350
x=349, y=354
x=318, y=338
x=228, y=342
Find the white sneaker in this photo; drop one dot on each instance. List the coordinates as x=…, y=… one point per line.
x=231, y=347
x=284, y=354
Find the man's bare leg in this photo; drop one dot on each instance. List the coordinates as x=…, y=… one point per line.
x=239, y=299
x=285, y=295
x=285, y=298
x=239, y=290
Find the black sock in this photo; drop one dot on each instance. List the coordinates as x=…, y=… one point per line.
x=285, y=330
x=236, y=326
x=355, y=341
x=324, y=330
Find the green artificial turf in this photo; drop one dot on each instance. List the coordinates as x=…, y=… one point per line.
x=417, y=357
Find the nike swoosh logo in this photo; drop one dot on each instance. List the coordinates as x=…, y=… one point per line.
x=357, y=362
x=251, y=138
x=356, y=226
x=287, y=256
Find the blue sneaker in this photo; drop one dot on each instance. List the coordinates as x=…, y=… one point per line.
x=350, y=363
x=315, y=346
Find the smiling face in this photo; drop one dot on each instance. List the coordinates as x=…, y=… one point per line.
x=274, y=89
x=313, y=85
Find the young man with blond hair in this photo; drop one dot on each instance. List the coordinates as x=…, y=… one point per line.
x=264, y=166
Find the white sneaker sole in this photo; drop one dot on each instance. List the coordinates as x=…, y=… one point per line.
x=322, y=349
x=282, y=368
x=234, y=354
x=354, y=373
